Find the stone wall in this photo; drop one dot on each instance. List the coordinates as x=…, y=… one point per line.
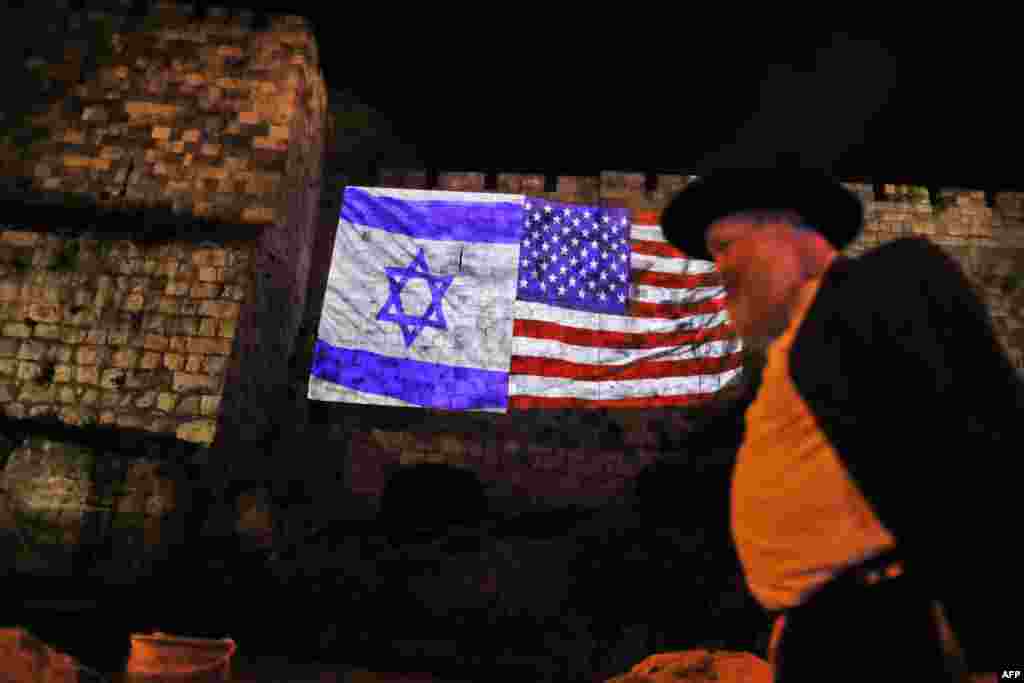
x=79, y=510
x=101, y=332
x=160, y=199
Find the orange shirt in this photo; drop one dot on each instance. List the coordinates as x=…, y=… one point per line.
x=797, y=517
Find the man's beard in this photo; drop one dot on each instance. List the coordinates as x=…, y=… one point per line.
x=760, y=336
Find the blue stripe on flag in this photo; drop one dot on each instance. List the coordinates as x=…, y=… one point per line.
x=423, y=384
x=497, y=223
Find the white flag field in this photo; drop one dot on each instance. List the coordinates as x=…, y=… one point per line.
x=494, y=302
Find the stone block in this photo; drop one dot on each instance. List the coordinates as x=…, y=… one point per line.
x=134, y=302
x=166, y=425
x=197, y=431
x=205, y=290
x=44, y=313
x=60, y=353
x=86, y=355
x=113, y=378
x=63, y=374
x=28, y=371
x=210, y=257
x=31, y=392
x=146, y=379
x=167, y=401
x=227, y=310
x=190, y=405
x=155, y=342
x=211, y=274
x=210, y=405
x=131, y=421
x=9, y=347
x=20, y=238
x=215, y=365
x=16, y=330
x=262, y=214
x=88, y=375
x=47, y=332
x=228, y=328
x=151, y=360
x=208, y=327
x=32, y=350
x=146, y=399
x=176, y=289
x=125, y=358
x=204, y=345
x=10, y=291
x=185, y=382
x=97, y=337
x=183, y=327
x=168, y=305
x=155, y=323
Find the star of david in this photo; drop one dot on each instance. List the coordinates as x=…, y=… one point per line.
x=432, y=317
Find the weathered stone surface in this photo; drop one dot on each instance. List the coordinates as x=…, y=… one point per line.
x=26, y=659
x=197, y=431
x=699, y=666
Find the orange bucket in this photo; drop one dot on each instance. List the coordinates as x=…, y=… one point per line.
x=163, y=658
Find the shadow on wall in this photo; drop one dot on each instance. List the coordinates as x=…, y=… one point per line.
x=430, y=497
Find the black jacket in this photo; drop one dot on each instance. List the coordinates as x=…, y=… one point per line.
x=898, y=360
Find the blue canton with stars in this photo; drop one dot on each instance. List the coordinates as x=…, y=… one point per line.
x=432, y=317
x=575, y=256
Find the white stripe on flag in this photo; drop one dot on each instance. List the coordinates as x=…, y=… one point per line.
x=548, y=348
x=658, y=295
x=527, y=385
x=528, y=310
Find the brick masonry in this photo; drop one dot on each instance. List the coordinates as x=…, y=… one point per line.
x=129, y=334
x=185, y=166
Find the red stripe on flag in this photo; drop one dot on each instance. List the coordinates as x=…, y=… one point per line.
x=654, y=369
x=676, y=280
x=647, y=217
x=642, y=309
x=651, y=248
x=528, y=402
x=576, y=336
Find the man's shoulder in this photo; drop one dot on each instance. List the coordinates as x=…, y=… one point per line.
x=907, y=257
x=902, y=268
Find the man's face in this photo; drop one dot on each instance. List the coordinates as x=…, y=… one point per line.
x=758, y=258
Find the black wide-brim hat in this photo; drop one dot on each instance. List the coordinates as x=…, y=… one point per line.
x=822, y=202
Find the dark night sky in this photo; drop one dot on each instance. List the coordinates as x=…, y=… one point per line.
x=564, y=100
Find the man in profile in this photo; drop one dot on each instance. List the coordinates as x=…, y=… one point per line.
x=871, y=490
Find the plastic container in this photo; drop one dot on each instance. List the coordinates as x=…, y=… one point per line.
x=163, y=658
